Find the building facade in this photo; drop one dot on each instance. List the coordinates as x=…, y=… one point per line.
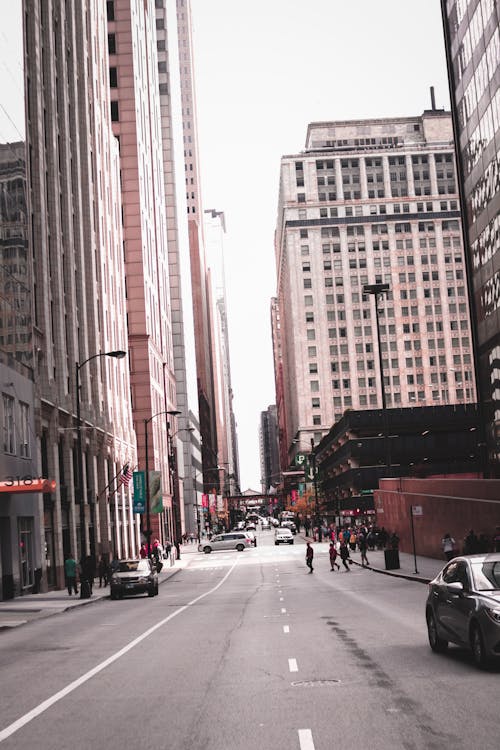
x=472, y=40
x=78, y=286
x=269, y=450
x=137, y=124
x=369, y=201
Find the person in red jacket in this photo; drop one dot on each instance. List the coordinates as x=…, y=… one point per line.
x=333, y=556
x=309, y=557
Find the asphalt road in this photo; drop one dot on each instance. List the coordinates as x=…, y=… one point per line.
x=244, y=650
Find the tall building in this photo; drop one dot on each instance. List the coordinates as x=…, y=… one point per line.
x=78, y=286
x=227, y=457
x=369, y=201
x=472, y=40
x=200, y=281
x=21, y=528
x=186, y=442
x=269, y=449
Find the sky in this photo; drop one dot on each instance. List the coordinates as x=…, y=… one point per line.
x=264, y=70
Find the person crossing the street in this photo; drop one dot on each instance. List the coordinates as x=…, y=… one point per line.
x=309, y=557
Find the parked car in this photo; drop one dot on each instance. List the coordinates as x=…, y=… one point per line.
x=463, y=606
x=238, y=540
x=283, y=535
x=250, y=526
x=134, y=577
x=289, y=525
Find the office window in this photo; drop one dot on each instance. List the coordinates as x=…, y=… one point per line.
x=9, y=443
x=314, y=386
x=113, y=78
x=115, y=114
x=24, y=433
x=315, y=403
x=311, y=334
x=112, y=44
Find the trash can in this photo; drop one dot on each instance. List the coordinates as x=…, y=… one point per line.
x=391, y=559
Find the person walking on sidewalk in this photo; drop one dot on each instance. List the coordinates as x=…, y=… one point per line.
x=448, y=545
x=333, y=556
x=309, y=557
x=70, y=572
x=363, y=545
x=344, y=555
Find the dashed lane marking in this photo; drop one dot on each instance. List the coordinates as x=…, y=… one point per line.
x=306, y=739
x=292, y=665
x=286, y=628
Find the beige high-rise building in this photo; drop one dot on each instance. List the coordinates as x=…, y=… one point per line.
x=79, y=294
x=369, y=201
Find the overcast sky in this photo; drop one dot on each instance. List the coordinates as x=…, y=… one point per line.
x=264, y=70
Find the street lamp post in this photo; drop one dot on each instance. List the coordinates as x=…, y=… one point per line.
x=172, y=480
x=316, y=500
x=146, y=460
x=377, y=290
x=118, y=354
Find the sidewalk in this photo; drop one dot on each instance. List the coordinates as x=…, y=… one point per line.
x=23, y=609
x=426, y=567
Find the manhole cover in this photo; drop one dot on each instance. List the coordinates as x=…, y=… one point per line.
x=315, y=683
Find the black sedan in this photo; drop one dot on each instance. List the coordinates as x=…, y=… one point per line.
x=463, y=606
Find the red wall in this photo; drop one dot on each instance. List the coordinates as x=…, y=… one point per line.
x=448, y=505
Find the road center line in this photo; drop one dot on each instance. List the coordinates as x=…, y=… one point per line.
x=281, y=598
x=306, y=739
x=292, y=665
x=286, y=628
x=42, y=707
x=283, y=611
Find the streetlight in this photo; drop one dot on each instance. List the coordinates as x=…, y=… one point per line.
x=377, y=290
x=172, y=479
x=118, y=354
x=316, y=501
x=146, y=422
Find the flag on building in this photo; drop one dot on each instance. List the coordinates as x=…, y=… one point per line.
x=125, y=476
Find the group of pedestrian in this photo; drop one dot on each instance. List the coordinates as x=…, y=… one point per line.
x=86, y=572
x=473, y=544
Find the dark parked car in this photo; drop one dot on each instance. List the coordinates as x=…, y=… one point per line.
x=463, y=606
x=134, y=577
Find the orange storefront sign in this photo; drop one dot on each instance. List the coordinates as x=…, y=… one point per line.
x=15, y=485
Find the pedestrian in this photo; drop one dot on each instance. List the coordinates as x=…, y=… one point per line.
x=471, y=543
x=363, y=545
x=448, y=545
x=496, y=540
x=309, y=557
x=344, y=554
x=352, y=541
x=88, y=572
x=70, y=572
x=333, y=556
x=102, y=571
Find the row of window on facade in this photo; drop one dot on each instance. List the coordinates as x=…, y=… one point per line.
x=372, y=209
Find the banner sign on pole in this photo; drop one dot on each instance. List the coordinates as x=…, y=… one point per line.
x=139, y=500
x=155, y=496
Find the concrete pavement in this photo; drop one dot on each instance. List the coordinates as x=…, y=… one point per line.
x=23, y=609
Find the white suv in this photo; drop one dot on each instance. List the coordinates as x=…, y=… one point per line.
x=234, y=540
x=283, y=536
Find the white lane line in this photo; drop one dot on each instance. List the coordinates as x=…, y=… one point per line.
x=281, y=598
x=286, y=628
x=283, y=611
x=306, y=739
x=292, y=665
x=23, y=720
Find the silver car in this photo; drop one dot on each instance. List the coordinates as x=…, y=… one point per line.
x=238, y=540
x=463, y=606
x=134, y=577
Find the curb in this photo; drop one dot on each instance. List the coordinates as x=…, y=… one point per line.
x=406, y=576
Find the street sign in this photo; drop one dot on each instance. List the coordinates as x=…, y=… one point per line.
x=311, y=472
x=139, y=504
x=301, y=459
x=417, y=510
